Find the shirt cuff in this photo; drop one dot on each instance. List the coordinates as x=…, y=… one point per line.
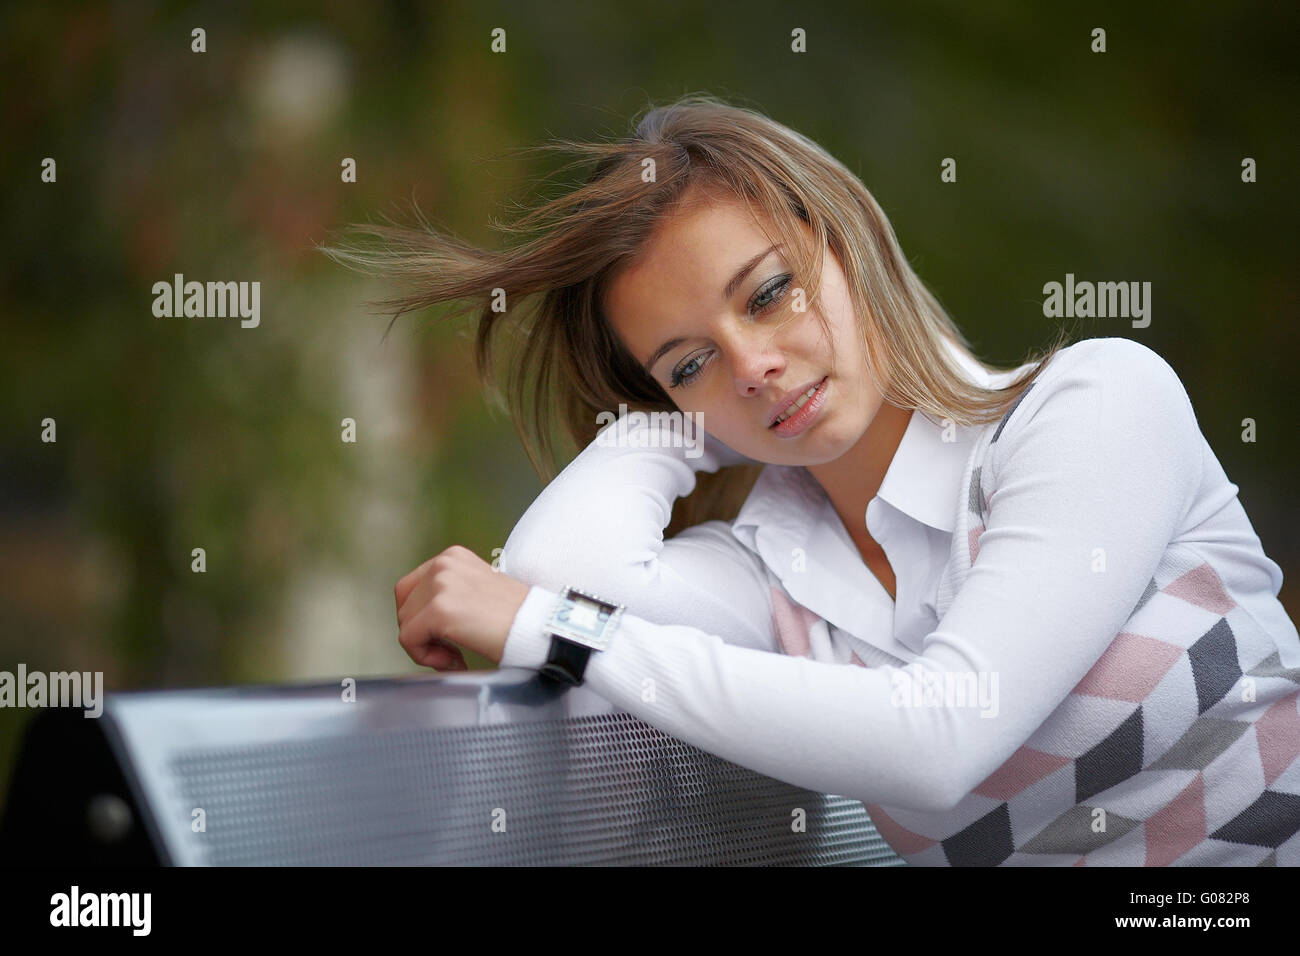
x=528, y=644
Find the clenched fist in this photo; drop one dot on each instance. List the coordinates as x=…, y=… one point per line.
x=456, y=600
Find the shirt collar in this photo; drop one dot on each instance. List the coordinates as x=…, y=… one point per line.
x=923, y=480
x=790, y=523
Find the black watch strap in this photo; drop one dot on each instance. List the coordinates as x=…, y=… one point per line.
x=579, y=624
x=566, y=662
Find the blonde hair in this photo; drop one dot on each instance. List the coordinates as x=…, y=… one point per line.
x=569, y=360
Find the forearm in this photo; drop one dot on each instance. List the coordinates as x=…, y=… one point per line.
x=831, y=728
x=599, y=525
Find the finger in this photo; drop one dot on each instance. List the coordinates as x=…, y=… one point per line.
x=421, y=639
x=451, y=660
x=409, y=580
x=415, y=600
x=443, y=657
x=439, y=658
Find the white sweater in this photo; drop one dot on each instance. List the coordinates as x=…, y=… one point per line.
x=1086, y=661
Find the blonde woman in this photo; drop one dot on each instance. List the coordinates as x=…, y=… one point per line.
x=1019, y=613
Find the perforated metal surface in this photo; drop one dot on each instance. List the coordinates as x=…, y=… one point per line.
x=524, y=784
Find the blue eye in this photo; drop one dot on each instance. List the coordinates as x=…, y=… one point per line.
x=681, y=377
x=766, y=299
x=776, y=288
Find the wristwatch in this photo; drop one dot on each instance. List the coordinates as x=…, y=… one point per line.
x=579, y=624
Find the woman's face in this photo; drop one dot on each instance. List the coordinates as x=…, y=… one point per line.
x=699, y=310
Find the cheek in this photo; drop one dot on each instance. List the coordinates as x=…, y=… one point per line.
x=717, y=417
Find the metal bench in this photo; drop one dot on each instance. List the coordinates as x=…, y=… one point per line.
x=484, y=768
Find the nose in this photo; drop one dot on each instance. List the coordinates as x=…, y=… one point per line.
x=755, y=361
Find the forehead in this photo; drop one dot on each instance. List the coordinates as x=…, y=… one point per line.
x=687, y=260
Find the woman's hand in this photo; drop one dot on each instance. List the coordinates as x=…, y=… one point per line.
x=456, y=598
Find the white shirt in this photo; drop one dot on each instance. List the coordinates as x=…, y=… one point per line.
x=911, y=518
x=792, y=525
x=1102, y=461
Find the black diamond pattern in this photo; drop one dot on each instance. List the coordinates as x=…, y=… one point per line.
x=986, y=842
x=1270, y=821
x=1111, y=761
x=1214, y=664
x=1002, y=424
x=976, y=502
x=1146, y=595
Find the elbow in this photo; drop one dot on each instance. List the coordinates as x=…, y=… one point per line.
x=935, y=792
x=945, y=793
x=552, y=566
x=534, y=566
x=963, y=769
x=945, y=782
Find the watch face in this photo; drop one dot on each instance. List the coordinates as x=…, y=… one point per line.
x=584, y=619
x=585, y=616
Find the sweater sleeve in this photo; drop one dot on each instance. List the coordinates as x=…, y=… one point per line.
x=599, y=526
x=1101, y=454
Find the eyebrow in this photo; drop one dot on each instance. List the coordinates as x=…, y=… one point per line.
x=727, y=292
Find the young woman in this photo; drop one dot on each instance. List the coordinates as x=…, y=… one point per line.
x=1020, y=614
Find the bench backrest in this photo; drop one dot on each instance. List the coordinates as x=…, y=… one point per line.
x=485, y=768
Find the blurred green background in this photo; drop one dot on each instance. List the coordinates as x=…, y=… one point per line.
x=225, y=165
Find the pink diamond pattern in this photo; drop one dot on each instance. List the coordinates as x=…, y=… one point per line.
x=903, y=840
x=974, y=542
x=1278, y=735
x=1024, y=769
x=1129, y=669
x=793, y=624
x=1179, y=826
x=1201, y=586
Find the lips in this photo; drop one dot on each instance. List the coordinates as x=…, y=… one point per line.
x=789, y=398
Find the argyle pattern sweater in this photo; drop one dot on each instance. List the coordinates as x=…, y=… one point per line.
x=1179, y=746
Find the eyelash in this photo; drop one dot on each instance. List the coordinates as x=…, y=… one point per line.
x=781, y=283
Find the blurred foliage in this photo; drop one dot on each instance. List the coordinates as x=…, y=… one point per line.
x=225, y=165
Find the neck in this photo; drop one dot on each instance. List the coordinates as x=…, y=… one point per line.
x=853, y=479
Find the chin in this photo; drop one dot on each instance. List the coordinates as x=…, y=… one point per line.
x=801, y=457
x=829, y=446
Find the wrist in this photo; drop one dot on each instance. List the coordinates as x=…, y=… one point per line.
x=528, y=644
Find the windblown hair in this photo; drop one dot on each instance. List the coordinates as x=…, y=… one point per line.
x=570, y=362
